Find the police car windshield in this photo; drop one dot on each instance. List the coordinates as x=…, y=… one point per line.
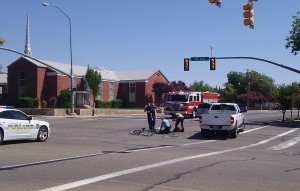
x=183, y=98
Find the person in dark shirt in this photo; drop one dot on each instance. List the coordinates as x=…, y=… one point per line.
x=153, y=116
x=148, y=109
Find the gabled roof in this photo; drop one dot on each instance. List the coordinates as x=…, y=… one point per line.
x=141, y=75
x=65, y=69
x=107, y=75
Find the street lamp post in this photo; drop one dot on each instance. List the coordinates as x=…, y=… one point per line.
x=71, y=71
x=211, y=50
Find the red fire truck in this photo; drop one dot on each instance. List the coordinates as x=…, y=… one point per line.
x=186, y=103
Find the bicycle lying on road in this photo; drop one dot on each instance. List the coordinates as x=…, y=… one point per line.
x=142, y=132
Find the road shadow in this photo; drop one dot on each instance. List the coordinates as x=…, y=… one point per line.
x=212, y=136
x=16, y=142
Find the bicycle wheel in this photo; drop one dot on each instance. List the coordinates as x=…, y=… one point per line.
x=146, y=133
x=135, y=132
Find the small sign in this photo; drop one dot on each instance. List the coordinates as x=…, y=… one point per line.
x=199, y=58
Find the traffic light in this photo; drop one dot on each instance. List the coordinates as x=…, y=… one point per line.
x=249, y=14
x=217, y=2
x=186, y=64
x=212, y=63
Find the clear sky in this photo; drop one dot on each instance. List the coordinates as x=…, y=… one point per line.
x=122, y=35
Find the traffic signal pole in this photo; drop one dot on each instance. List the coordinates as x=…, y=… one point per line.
x=263, y=60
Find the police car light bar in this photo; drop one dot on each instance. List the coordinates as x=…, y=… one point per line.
x=6, y=106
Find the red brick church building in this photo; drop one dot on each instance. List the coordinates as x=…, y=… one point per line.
x=45, y=79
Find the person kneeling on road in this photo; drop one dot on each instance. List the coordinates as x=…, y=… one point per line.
x=164, y=128
x=179, y=118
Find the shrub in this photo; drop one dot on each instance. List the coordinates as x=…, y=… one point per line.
x=52, y=102
x=64, y=99
x=97, y=103
x=25, y=102
x=101, y=104
x=118, y=103
x=44, y=104
x=111, y=104
x=36, y=103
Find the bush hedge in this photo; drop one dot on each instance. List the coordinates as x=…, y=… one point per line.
x=37, y=103
x=111, y=104
x=25, y=102
x=62, y=101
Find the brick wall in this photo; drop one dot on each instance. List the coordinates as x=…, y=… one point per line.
x=144, y=93
x=156, y=77
x=31, y=78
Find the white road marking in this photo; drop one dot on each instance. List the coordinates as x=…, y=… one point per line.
x=286, y=144
x=155, y=165
x=250, y=130
x=102, y=153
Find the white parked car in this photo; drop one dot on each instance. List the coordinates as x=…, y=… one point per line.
x=16, y=125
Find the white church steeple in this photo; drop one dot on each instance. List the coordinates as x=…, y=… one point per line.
x=27, y=50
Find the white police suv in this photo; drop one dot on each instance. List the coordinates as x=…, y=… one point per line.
x=16, y=125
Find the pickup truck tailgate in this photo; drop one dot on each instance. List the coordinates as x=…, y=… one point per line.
x=217, y=118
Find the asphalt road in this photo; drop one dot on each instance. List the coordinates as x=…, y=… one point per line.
x=96, y=153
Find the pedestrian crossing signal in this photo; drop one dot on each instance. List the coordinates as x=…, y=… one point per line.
x=186, y=64
x=212, y=62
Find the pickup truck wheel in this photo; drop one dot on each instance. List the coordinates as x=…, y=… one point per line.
x=1, y=136
x=235, y=132
x=243, y=127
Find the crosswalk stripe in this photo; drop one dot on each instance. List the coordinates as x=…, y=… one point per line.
x=285, y=144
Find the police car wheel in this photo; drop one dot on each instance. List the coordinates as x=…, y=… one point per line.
x=1, y=136
x=43, y=134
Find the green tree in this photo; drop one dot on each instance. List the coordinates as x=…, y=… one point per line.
x=228, y=94
x=293, y=41
x=201, y=87
x=177, y=86
x=237, y=81
x=93, y=79
x=1, y=41
x=261, y=87
x=296, y=98
x=159, y=88
x=288, y=97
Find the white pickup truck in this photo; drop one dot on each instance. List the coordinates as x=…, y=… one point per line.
x=226, y=117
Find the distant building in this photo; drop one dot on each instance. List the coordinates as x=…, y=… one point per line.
x=135, y=87
x=29, y=78
x=45, y=79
